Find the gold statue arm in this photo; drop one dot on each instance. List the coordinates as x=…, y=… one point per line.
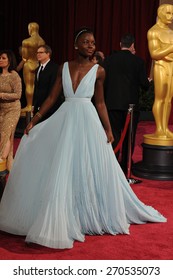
x=157, y=49
x=20, y=65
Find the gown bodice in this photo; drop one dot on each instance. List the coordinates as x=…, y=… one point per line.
x=86, y=86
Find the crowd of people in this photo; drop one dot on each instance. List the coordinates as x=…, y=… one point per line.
x=41, y=83
x=65, y=168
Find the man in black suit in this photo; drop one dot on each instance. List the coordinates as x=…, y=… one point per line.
x=125, y=74
x=44, y=80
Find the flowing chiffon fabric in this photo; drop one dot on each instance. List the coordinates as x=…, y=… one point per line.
x=66, y=181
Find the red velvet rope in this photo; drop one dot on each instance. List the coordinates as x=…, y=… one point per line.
x=117, y=148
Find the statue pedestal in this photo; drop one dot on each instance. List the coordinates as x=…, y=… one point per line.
x=157, y=163
x=153, y=139
x=3, y=170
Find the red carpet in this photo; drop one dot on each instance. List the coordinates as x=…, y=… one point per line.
x=145, y=242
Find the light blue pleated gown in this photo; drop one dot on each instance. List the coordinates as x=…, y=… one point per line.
x=66, y=181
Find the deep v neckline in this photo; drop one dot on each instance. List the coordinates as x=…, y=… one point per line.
x=74, y=91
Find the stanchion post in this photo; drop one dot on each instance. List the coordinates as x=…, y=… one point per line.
x=130, y=139
x=130, y=135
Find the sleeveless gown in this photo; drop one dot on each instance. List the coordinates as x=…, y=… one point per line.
x=66, y=181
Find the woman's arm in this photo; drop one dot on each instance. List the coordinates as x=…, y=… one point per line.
x=16, y=88
x=20, y=65
x=100, y=103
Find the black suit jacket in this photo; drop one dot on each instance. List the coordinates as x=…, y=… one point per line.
x=125, y=74
x=43, y=87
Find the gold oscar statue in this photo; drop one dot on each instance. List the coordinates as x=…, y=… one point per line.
x=29, y=56
x=160, y=43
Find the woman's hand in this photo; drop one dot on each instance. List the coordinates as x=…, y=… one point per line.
x=29, y=127
x=110, y=138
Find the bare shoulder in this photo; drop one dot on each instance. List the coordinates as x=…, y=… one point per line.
x=71, y=63
x=60, y=69
x=100, y=72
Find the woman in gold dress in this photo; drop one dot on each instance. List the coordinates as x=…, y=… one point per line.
x=10, y=107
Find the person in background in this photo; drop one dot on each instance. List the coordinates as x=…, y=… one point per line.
x=10, y=107
x=101, y=54
x=66, y=181
x=29, y=55
x=45, y=77
x=98, y=57
x=125, y=75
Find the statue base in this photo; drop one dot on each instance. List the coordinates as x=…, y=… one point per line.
x=157, y=163
x=3, y=166
x=153, y=139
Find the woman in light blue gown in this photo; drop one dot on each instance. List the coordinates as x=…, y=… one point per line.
x=66, y=181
